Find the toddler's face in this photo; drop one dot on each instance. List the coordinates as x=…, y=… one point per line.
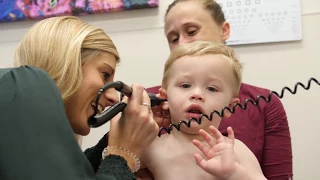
x=198, y=85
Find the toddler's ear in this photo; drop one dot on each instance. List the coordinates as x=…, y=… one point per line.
x=163, y=93
x=232, y=102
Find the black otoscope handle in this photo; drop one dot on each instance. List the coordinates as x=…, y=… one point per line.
x=107, y=115
x=124, y=89
x=97, y=120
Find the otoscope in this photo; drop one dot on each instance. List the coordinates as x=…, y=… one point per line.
x=97, y=120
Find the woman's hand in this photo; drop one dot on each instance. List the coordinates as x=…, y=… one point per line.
x=135, y=129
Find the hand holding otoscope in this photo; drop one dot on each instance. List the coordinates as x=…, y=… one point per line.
x=97, y=120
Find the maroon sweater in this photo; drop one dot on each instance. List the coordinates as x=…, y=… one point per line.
x=264, y=129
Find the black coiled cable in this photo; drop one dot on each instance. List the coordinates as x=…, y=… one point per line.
x=254, y=102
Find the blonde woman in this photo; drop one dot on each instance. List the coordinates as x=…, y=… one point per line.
x=80, y=59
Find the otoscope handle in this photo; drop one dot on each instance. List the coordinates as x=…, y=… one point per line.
x=97, y=120
x=107, y=115
x=124, y=89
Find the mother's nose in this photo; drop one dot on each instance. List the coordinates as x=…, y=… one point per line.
x=185, y=40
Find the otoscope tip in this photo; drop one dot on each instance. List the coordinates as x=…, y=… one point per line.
x=154, y=101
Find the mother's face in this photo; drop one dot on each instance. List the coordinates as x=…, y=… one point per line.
x=96, y=72
x=189, y=21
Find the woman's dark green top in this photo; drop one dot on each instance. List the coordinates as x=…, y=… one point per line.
x=36, y=139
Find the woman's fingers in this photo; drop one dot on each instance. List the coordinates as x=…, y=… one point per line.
x=136, y=128
x=137, y=95
x=125, y=99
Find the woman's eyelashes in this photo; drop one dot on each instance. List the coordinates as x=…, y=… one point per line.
x=174, y=39
x=191, y=31
x=106, y=76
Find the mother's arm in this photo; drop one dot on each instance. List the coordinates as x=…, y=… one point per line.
x=277, y=152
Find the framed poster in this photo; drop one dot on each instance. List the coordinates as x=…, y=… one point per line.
x=262, y=21
x=15, y=10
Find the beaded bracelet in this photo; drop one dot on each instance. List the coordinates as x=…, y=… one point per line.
x=125, y=151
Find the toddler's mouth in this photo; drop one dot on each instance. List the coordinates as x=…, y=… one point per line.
x=195, y=111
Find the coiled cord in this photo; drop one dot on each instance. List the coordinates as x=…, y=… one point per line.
x=244, y=107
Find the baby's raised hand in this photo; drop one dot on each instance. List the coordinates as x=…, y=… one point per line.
x=219, y=152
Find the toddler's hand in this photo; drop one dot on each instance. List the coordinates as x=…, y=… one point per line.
x=219, y=152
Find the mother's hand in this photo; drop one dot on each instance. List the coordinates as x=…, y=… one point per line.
x=136, y=128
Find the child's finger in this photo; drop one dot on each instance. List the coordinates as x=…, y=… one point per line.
x=230, y=134
x=215, y=132
x=200, y=161
x=207, y=137
x=204, y=149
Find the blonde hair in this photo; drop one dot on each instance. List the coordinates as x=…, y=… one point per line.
x=199, y=48
x=211, y=6
x=60, y=46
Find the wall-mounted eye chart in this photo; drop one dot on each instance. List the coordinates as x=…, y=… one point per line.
x=262, y=21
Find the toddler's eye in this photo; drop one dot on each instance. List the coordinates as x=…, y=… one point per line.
x=212, y=89
x=185, y=85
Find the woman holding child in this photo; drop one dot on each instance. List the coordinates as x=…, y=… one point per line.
x=264, y=129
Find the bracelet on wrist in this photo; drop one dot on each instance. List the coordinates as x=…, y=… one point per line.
x=110, y=149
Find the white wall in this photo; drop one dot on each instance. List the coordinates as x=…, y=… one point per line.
x=140, y=40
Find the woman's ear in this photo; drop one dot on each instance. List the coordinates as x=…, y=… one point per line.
x=163, y=93
x=233, y=101
x=225, y=31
